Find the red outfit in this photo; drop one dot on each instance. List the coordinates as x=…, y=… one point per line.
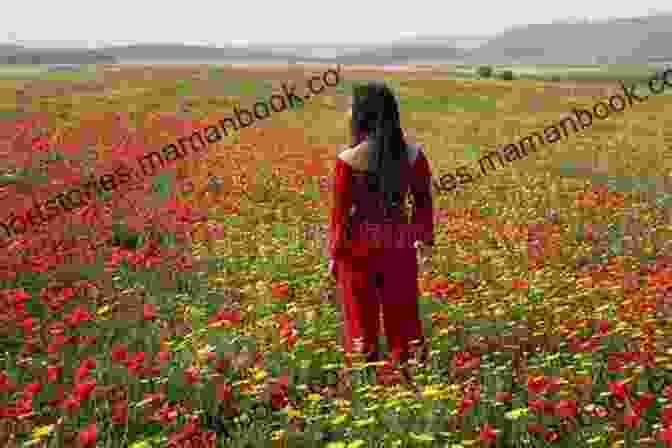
x=369, y=273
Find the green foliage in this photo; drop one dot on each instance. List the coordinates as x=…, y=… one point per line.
x=507, y=75
x=484, y=71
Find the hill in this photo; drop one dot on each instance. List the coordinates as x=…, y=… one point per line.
x=623, y=41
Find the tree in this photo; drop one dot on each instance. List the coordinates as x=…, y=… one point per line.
x=484, y=71
x=507, y=75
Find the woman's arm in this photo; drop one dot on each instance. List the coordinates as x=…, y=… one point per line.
x=421, y=188
x=340, y=212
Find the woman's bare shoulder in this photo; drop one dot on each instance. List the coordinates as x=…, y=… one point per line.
x=355, y=157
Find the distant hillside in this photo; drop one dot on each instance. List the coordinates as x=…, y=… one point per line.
x=638, y=40
x=452, y=41
x=398, y=53
x=12, y=54
x=178, y=52
x=629, y=41
x=8, y=50
x=395, y=53
x=402, y=53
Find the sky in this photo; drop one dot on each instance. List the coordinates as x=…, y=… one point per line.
x=78, y=23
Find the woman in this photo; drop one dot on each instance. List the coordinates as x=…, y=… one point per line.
x=372, y=178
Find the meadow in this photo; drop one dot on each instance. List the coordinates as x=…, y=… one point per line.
x=203, y=310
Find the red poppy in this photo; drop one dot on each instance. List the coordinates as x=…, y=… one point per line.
x=466, y=360
x=71, y=404
x=148, y=311
x=603, y=327
x=27, y=325
x=280, y=289
x=6, y=383
x=464, y=406
x=83, y=390
x=53, y=373
x=596, y=410
x=279, y=397
x=20, y=295
x=565, y=408
x=631, y=420
x=520, y=284
x=120, y=412
x=443, y=287
x=472, y=391
x=535, y=428
x=191, y=375
x=119, y=353
x=83, y=370
x=387, y=375
x=223, y=392
x=554, y=384
x=615, y=362
x=619, y=389
x=551, y=436
x=87, y=436
x=503, y=396
x=537, y=405
x=488, y=434
x=666, y=436
x=164, y=355
x=537, y=384
x=645, y=400
x=166, y=414
x=32, y=388
x=78, y=314
x=247, y=387
x=226, y=316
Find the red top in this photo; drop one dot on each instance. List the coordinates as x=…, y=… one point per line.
x=356, y=210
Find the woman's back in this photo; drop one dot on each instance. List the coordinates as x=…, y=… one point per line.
x=369, y=221
x=367, y=204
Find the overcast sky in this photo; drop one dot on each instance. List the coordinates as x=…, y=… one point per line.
x=67, y=23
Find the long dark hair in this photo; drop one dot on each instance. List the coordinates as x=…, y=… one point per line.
x=375, y=114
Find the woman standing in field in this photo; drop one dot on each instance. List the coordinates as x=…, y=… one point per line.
x=373, y=242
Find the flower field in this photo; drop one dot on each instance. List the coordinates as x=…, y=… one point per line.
x=193, y=309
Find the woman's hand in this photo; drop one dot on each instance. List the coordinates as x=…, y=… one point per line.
x=424, y=255
x=332, y=267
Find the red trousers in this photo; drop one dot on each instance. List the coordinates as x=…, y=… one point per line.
x=387, y=279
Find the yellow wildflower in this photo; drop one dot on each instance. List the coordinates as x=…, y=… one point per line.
x=259, y=374
x=42, y=431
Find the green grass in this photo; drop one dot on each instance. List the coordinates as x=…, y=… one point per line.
x=19, y=72
x=8, y=115
x=621, y=184
x=444, y=104
x=81, y=75
x=545, y=72
x=345, y=86
x=241, y=87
